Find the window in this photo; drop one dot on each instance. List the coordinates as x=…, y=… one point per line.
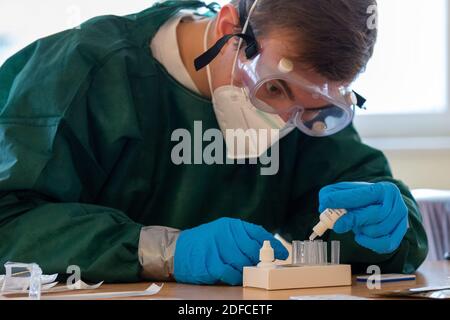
x=406, y=82
x=408, y=73
x=23, y=21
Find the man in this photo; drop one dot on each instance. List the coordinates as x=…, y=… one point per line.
x=87, y=122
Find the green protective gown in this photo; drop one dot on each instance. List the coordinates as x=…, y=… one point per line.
x=86, y=118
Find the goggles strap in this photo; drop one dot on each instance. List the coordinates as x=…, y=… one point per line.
x=248, y=36
x=207, y=57
x=361, y=101
x=244, y=18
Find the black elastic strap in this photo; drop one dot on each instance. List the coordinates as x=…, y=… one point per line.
x=251, y=49
x=242, y=13
x=361, y=100
x=206, y=58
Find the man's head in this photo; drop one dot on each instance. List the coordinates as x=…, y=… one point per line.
x=329, y=40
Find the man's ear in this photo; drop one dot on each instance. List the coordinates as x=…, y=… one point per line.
x=227, y=21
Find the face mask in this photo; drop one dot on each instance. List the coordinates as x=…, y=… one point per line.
x=248, y=132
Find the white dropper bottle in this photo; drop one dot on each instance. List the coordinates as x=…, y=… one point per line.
x=266, y=256
x=327, y=220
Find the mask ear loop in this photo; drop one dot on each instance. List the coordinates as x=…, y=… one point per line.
x=208, y=69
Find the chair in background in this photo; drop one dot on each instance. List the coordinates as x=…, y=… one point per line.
x=435, y=208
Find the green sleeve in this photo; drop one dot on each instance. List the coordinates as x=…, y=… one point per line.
x=344, y=158
x=50, y=169
x=102, y=242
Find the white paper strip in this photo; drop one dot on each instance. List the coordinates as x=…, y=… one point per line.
x=80, y=285
x=46, y=279
x=50, y=288
x=152, y=290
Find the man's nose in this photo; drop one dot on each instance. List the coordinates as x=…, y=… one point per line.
x=289, y=115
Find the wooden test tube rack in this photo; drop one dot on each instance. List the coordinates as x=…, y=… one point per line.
x=297, y=277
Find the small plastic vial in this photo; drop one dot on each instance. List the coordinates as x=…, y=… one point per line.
x=325, y=252
x=35, y=283
x=335, y=252
x=266, y=256
x=298, y=252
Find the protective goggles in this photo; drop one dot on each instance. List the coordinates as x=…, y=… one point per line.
x=274, y=85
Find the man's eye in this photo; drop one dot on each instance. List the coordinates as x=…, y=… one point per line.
x=273, y=90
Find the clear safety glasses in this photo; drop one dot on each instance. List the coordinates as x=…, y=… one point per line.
x=275, y=86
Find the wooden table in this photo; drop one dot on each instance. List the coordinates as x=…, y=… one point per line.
x=431, y=273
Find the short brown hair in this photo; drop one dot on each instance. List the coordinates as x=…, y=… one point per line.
x=334, y=36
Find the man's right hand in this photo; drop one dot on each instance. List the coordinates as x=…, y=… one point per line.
x=218, y=251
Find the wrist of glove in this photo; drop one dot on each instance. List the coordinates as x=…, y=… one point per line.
x=377, y=213
x=217, y=252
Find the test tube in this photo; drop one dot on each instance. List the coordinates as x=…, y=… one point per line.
x=298, y=252
x=325, y=252
x=308, y=248
x=302, y=253
x=335, y=252
x=295, y=251
x=319, y=250
x=314, y=252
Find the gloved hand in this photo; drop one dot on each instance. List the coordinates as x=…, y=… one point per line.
x=218, y=251
x=376, y=214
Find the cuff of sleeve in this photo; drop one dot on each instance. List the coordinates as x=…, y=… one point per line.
x=157, y=251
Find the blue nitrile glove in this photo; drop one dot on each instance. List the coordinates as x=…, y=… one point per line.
x=218, y=251
x=377, y=213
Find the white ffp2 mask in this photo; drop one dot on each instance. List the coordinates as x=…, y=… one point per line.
x=248, y=132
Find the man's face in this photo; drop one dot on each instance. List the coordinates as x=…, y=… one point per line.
x=274, y=47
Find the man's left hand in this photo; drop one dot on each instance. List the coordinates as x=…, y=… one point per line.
x=377, y=213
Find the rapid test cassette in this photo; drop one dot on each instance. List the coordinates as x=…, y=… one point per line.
x=310, y=268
